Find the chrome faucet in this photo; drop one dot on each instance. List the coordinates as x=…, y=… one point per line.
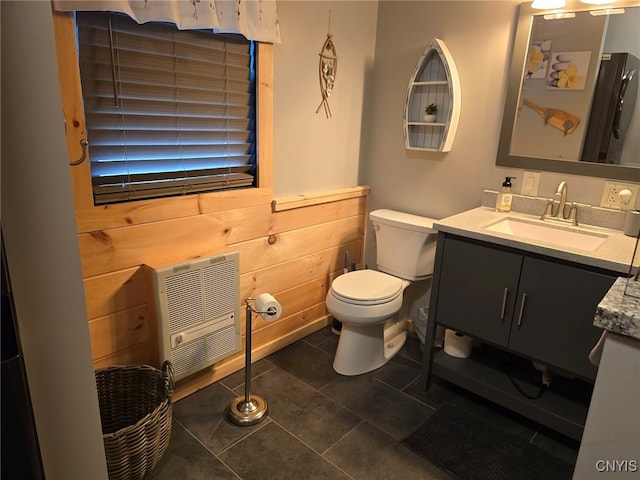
x=560, y=215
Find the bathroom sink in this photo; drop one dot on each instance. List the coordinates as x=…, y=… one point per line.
x=548, y=233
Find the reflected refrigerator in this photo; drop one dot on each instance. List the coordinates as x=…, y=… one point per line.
x=612, y=108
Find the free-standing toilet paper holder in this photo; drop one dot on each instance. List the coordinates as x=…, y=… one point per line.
x=249, y=409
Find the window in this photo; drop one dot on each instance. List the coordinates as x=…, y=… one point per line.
x=168, y=112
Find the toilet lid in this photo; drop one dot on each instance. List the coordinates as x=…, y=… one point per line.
x=366, y=287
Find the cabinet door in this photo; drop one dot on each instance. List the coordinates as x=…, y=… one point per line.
x=553, y=321
x=477, y=290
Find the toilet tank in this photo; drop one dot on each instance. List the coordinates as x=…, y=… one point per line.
x=405, y=244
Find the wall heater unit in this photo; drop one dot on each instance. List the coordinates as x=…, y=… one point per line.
x=198, y=309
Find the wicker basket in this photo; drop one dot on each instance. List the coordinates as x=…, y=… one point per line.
x=135, y=411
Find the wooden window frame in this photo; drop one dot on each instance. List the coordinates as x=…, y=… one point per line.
x=90, y=217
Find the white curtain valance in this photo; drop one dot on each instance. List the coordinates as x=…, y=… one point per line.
x=255, y=19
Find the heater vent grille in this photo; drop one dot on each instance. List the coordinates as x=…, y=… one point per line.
x=184, y=300
x=204, y=351
x=222, y=342
x=218, y=297
x=187, y=357
x=198, y=306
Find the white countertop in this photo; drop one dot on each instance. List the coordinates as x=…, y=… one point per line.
x=613, y=254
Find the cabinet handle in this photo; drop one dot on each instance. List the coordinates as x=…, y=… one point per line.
x=504, y=303
x=524, y=298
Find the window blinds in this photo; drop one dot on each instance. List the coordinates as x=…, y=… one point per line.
x=168, y=111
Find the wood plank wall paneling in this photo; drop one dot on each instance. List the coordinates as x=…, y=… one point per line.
x=119, y=331
x=114, y=292
x=293, y=254
x=291, y=247
x=172, y=241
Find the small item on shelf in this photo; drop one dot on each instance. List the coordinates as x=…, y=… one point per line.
x=457, y=344
x=431, y=113
x=632, y=223
x=504, y=198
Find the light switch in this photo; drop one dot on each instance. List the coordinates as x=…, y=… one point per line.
x=530, y=183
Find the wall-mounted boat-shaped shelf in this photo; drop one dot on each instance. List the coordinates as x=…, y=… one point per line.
x=434, y=80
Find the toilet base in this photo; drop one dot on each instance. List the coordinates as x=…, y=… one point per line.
x=362, y=349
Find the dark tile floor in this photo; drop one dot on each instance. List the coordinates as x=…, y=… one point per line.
x=322, y=425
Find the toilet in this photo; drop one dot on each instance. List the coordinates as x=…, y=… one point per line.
x=367, y=302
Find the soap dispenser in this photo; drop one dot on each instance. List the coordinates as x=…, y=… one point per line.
x=504, y=199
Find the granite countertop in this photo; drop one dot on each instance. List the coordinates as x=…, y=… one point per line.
x=619, y=312
x=613, y=254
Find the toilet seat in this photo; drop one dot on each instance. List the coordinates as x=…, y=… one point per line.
x=366, y=287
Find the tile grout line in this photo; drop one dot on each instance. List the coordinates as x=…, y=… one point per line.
x=321, y=455
x=362, y=420
x=208, y=450
x=321, y=391
x=232, y=389
x=240, y=440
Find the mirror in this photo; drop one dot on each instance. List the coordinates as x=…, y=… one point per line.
x=554, y=85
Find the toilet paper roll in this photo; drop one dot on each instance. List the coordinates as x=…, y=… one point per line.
x=268, y=307
x=456, y=344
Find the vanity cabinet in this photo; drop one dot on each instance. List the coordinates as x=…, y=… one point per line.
x=524, y=305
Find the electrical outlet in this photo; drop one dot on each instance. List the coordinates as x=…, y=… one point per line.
x=530, y=183
x=611, y=197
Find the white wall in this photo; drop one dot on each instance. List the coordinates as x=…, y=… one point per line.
x=312, y=152
x=479, y=35
x=361, y=144
x=43, y=257
x=612, y=430
x=442, y=184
